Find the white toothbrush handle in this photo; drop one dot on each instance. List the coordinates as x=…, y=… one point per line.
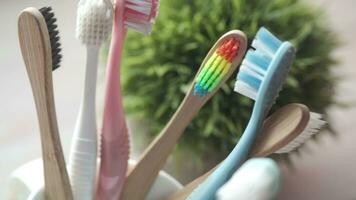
x=83, y=154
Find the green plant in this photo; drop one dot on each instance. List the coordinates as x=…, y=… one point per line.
x=159, y=68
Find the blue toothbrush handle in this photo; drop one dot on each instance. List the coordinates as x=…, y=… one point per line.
x=207, y=190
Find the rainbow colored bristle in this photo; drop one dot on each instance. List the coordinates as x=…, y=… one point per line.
x=216, y=67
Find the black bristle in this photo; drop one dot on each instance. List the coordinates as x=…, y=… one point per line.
x=48, y=15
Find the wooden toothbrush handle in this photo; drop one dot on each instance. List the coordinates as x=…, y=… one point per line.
x=142, y=176
x=35, y=47
x=57, y=185
x=140, y=179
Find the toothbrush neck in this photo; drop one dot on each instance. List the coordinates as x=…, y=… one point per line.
x=257, y=117
x=117, y=42
x=91, y=75
x=119, y=13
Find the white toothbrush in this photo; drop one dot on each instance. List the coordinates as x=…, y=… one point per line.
x=94, y=19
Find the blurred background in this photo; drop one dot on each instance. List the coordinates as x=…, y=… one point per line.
x=322, y=78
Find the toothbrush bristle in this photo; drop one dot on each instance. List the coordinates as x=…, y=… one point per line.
x=266, y=42
x=48, y=15
x=255, y=65
x=141, y=14
x=94, y=22
x=216, y=67
x=314, y=125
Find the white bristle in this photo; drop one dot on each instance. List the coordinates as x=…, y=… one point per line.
x=140, y=14
x=250, y=68
x=245, y=90
x=314, y=125
x=94, y=21
x=139, y=6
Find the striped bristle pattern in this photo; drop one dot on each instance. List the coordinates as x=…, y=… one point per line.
x=141, y=14
x=256, y=63
x=48, y=15
x=216, y=67
x=314, y=125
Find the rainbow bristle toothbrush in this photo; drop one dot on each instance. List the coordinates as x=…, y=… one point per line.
x=94, y=21
x=138, y=15
x=216, y=67
x=261, y=76
x=151, y=162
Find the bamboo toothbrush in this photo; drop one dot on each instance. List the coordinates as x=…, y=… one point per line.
x=138, y=15
x=94, y=20
x=221, y=61
x=287, y=128
x=261, y=77
x=40, y=49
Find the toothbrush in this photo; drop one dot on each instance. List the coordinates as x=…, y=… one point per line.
x=299, y=124
x=261, y=76
x=138, y=15
x=94, y=19
x=257, y=179
x=222, y=59
x=287, y=128
x=40, y=47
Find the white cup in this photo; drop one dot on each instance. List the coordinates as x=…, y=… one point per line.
x=26, y=182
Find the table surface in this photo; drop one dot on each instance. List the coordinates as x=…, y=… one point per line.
x=322, y=169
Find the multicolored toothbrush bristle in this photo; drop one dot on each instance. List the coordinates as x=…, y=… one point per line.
x=141, y=14
x=216, y=67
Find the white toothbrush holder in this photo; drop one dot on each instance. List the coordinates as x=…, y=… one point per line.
x=26, y=182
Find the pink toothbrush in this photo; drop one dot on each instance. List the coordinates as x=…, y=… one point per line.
x=138, y=15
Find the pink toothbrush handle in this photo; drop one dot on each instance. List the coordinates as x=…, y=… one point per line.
x=114, y=139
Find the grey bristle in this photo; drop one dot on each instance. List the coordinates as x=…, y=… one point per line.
x=314, y=125
x=53, y=33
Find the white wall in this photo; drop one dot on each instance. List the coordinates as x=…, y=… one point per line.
x=326, y=169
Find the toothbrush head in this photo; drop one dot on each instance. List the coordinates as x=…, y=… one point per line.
x=216, y=67
x=140, y=14
x=50, y=20
x=94, y=22
x=265, y=68
x=313, y=126
x=286, y=129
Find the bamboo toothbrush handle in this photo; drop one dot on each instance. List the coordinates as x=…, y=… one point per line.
x=151, y=162
x=57, y=185
x=145, y=172
x=36, y=50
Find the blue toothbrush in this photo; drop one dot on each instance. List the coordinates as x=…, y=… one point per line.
x=261, y=76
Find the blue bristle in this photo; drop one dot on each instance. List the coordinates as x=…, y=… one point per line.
x=266, y=37
x=249, y=79
x=199, y=90
x=258, y=58
x=256, y=63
